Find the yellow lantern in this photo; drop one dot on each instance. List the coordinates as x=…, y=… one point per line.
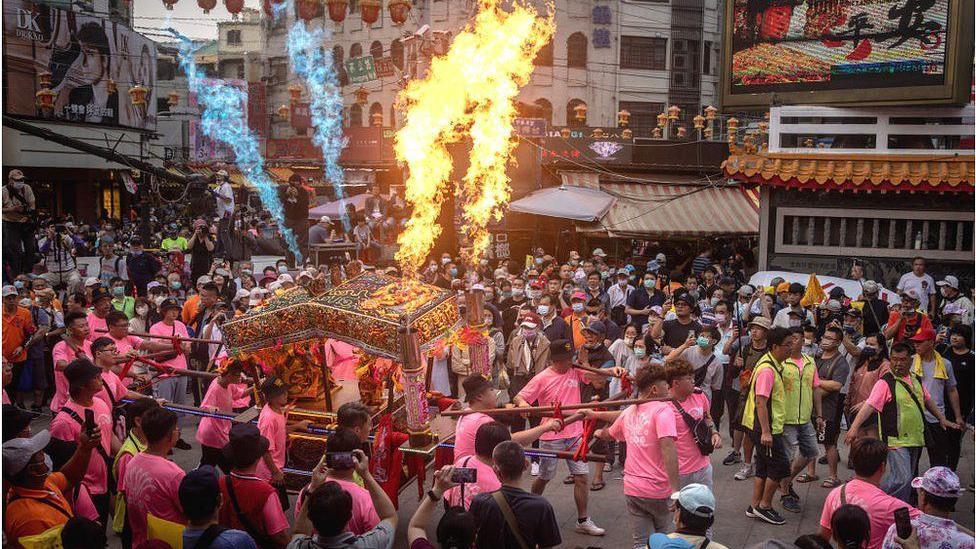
x=376, y=119
x=626, y=133
x=682, y=131
x=565, y=133
x=44, y=99
x=598, y=133
x=580, y=112
x=710, y=112
x=138, y=95
x=673, y=112
x=44, y=79
x=283, y=112
x=733, y=124
x=295, y=91
x=362, y=95
x=173, y=99
x=699, y=121
x=623, y=118
x=707, y=132
x=763, y=127
x=656, y=133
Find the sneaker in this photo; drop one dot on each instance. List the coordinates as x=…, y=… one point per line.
x=769, y=515
x=589, y=528
x=535, y=468
x=733, y=458
x=790, y=503
x=182, y=445
x=745, y=472
x=750, y=512
x=792, y=493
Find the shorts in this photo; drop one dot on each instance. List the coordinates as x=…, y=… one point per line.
x=772, y=462
x=803, y=435
x=743, y=396
x=547, y=466
x=832, y=429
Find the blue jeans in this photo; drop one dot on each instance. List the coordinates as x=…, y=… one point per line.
x=902, y=468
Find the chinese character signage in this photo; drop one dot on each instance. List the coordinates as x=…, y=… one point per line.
x=384, y=67
x=92, y=63
x=573, y=145
x=360, y=69
x=847, y=51
x=530, y=127
x=257, y=108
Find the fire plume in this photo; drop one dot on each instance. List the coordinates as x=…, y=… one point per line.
x=468, y=93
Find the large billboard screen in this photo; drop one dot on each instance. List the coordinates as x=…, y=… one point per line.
x=91, y=62
x=847, y=52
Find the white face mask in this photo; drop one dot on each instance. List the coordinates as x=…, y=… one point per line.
x=141, y=311
x=543, y=310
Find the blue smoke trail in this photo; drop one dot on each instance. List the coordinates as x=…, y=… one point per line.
x=310, y=62
x=223, y=120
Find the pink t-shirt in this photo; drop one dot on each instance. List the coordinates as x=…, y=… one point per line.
x=179, y=361
x=98, y=326
x=152, y=485
x=764, y=382
x=83, y=506
x=114, y=384
x=342, y=360
x=6, y=399
x=120, y=469
x=487, y=482
x=879, y=506
x=215, y=432
x=690, y=458
x=798, y=364
x=364, y=516
x=126, y=344
x=881, y=394
x=465, y=431
x=641, y=427
x=274, y=427
x=63, y=352
x=65, y=427
x=549, y=386
x=242, y=396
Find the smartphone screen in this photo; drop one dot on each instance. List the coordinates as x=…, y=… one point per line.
x=340, y=460
x=462, y=475
x=903, y=522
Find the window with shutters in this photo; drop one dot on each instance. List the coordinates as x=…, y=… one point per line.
x=576, y=50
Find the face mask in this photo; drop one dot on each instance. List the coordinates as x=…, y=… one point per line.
x=445, y=260
x=506, y=294
x=629, y=341
x=720, y=319
x=136, y=252
x=453, y=271
x=535, y=294
x=159, y=300
x=795, y=322
x=176, y=284
x=528, y=333
x=604, y=274
x=824, y=344
x=19, y=284
x=868, y=352
x=283, y=269
x=573, y=262
x=518, y=292
x=543, y=310
x=714, y=301
x=118, y=291
x=649, y=283
x=703, y=342
x=245, y=272
x=622, y=283
x=538, y=261
x=578, y=307
x=141, y=311
x=639, y=352
x=26, y=302
x=593, y=285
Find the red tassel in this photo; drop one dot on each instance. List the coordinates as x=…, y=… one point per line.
x=626, y=385
x=589, y=427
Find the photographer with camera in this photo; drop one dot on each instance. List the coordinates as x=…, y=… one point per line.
x=19, y=245
x=58, y=250
x=201, y=246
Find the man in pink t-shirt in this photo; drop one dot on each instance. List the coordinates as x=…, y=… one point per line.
x=690, y=407
x=560, y=383
x=212, y=433
x=342, y=471
x=101, y=305
x=75, y=345
x=481, y=395
x=84, y=381
x=152, y=481
x=489, y=435
x=868, y=455
x=172, y=388
x=651, y=469
x=113, y=388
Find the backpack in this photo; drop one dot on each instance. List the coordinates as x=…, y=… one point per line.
x=700, y=431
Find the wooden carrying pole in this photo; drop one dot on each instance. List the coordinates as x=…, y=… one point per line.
x=169, y=337
x=615, y=401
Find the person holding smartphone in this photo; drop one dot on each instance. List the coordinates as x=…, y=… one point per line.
x=938, y=491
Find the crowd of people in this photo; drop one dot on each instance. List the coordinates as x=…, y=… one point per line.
x=792, y=373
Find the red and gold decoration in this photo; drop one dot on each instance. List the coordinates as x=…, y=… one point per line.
x=369, y=10
x=337, y=10
x=376, y=120
x=623, y=118
x=207, y=5
x=399, y=10
x=295, y=92
x=234, y=7
x=579, y=112
x=44, y=100
x=284, y=111
x=362, y=96
x=138, y=94
x=44, y=79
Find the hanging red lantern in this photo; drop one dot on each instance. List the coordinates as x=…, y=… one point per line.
x=308, y=9
x=234, y=6
x=207, y=5
x=399, y=10
x=170, y=3
x=369, y=10
x=337, y=10
x=362, y=95
x=44, y=99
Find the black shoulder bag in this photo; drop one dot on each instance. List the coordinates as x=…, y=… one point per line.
x=208, y=536
x=700, y=430
x=703, y=371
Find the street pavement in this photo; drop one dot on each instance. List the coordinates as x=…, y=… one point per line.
x=608, y=509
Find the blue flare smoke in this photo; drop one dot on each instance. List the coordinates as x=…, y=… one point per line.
x=315, y=67
x=223, y=120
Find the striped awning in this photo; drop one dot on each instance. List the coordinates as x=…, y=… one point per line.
x=677, y=206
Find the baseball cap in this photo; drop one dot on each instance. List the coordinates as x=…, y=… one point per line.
x=285, y=277
x=325, y=219
x=537, y=285
x=949, y=281
x=530, y=320
x=597, y=327
x=199, y=484
x=578, y=295
x=306, y=274
x=697, y=499
x=81, y=371
x=924, y=334
x=938, y=481
x=912, y=294
x=18, y=452
x=135, y=241
x=796, y=288
x=853, y=312
x=599, y=253
x=152, y=284
x=653, y=266
x=657, y=310
x=623, y=272
x=662, y=541
x=560, y=349
x=833, y=306
x=9, y=290
x=16, y=175
x=169, y=303
x=746, y=290
x=685, y=298
x=91, y=281
x=245, y=444
x=204, y=279
x=870, y=287
x=100, y=293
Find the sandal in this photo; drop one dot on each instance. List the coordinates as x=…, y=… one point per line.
x=569, y=480
x=831, y=482
x=597, y=486
x=804, y=478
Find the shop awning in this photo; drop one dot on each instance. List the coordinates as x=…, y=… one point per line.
x=335, y=208
x=663, y=205
x=565, y=201
x=280, y=174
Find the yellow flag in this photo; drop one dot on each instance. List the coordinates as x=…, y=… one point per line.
x=814, y=294
x=165, y=530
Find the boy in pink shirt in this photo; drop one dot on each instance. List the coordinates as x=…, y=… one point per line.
x=75, y=345
x=84, y=382
x=868, y=456
x=651, y=469
x=364, y=515
x=113, y=388
x=212, y=433
x=173, y=388
x=690, y=407
x=273, y=425
x=489, y=435
x=151, y=480
x=560, y=382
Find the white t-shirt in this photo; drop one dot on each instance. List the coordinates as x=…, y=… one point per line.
x=924, y=285
x=225, y=199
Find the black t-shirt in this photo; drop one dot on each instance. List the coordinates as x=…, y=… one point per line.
x=963, y=368
x=535, y=515
x=875, y=314
x=675, y=333
x=510, y=309
x=641, y=299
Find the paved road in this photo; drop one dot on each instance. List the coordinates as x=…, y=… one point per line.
x=607, y=507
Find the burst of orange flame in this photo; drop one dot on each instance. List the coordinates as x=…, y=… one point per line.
x=468, y=93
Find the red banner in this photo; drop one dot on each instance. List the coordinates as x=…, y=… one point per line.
x=384, y=67
x=368, y=145
x=301, y=116
x=257, y=108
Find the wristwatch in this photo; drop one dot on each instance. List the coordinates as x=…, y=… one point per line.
x=433, y=497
